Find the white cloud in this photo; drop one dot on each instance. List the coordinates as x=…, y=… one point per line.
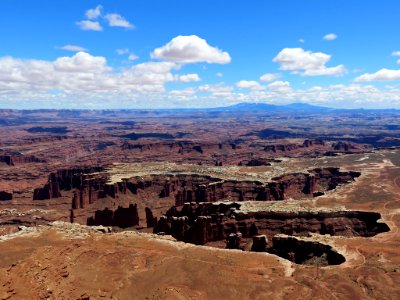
x=39, y=83
x=191, y=49
x=150, y=73
x=249, y=84
x=155, y=67
x=353, y=95
x=269, y=77
x=381, y=75
x=82, y=80
x=330, y=37
x=307, y=63
x=279, y=86
x=125, y=51
x=189, y=78
x=73, y=48
x=338, y=70
x=89, y=25
x=215, y=88
x=116, y=20
x=183, y=93
x=133, y=56
x=82, y=76
x=302, y=41
x=396, y=53
x=81, y=62
x=298, y=59
x=94, y=13
x=219, y=74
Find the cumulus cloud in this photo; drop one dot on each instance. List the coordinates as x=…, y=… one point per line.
x=73, y=48
x=307, y=63
x=338, y=70
x=151, y=74
x=269, y=77
x=298, y=59
x=279, y=85
x=381, y=75
x=94, y=13
x=189, y=78
x=116, y=20
x=86, y=81
x=81, y=62
x=89, y=25
x=249, y=84
x=191, y=49
x=81, y=75
x=330, y=37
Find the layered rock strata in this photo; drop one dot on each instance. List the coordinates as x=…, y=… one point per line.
x=208, y=222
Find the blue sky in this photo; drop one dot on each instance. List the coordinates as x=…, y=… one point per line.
x=152, y=54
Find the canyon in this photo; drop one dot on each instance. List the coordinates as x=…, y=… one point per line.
x=262, y=196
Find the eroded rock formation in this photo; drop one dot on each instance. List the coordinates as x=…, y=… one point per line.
x=68, y=179
x=91, y=184
x=12, y=160
x=121, y=217
x=4, y=196
x=150, y=219
x=206, y=222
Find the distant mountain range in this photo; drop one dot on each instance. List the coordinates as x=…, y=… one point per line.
x=293, y=107
x=271, y=107
x=240, y=107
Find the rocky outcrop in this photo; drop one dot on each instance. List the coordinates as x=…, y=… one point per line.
x=260, y=243
x=343, y=146
x=233, y=240
x=200, y=223
x=77, y=178
x=7, y=159
x=4, y=196
x=291, y=185
x=121, y=217
x=181, y=147
x=15, y=158
x=50, y=190
x=42, y=139
x=256, y=162
x=84, y=196
x=343, y=223
x=292, y=147
x=197, y=223
x=150, y=219
x=310, y=143
x=91, y=184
